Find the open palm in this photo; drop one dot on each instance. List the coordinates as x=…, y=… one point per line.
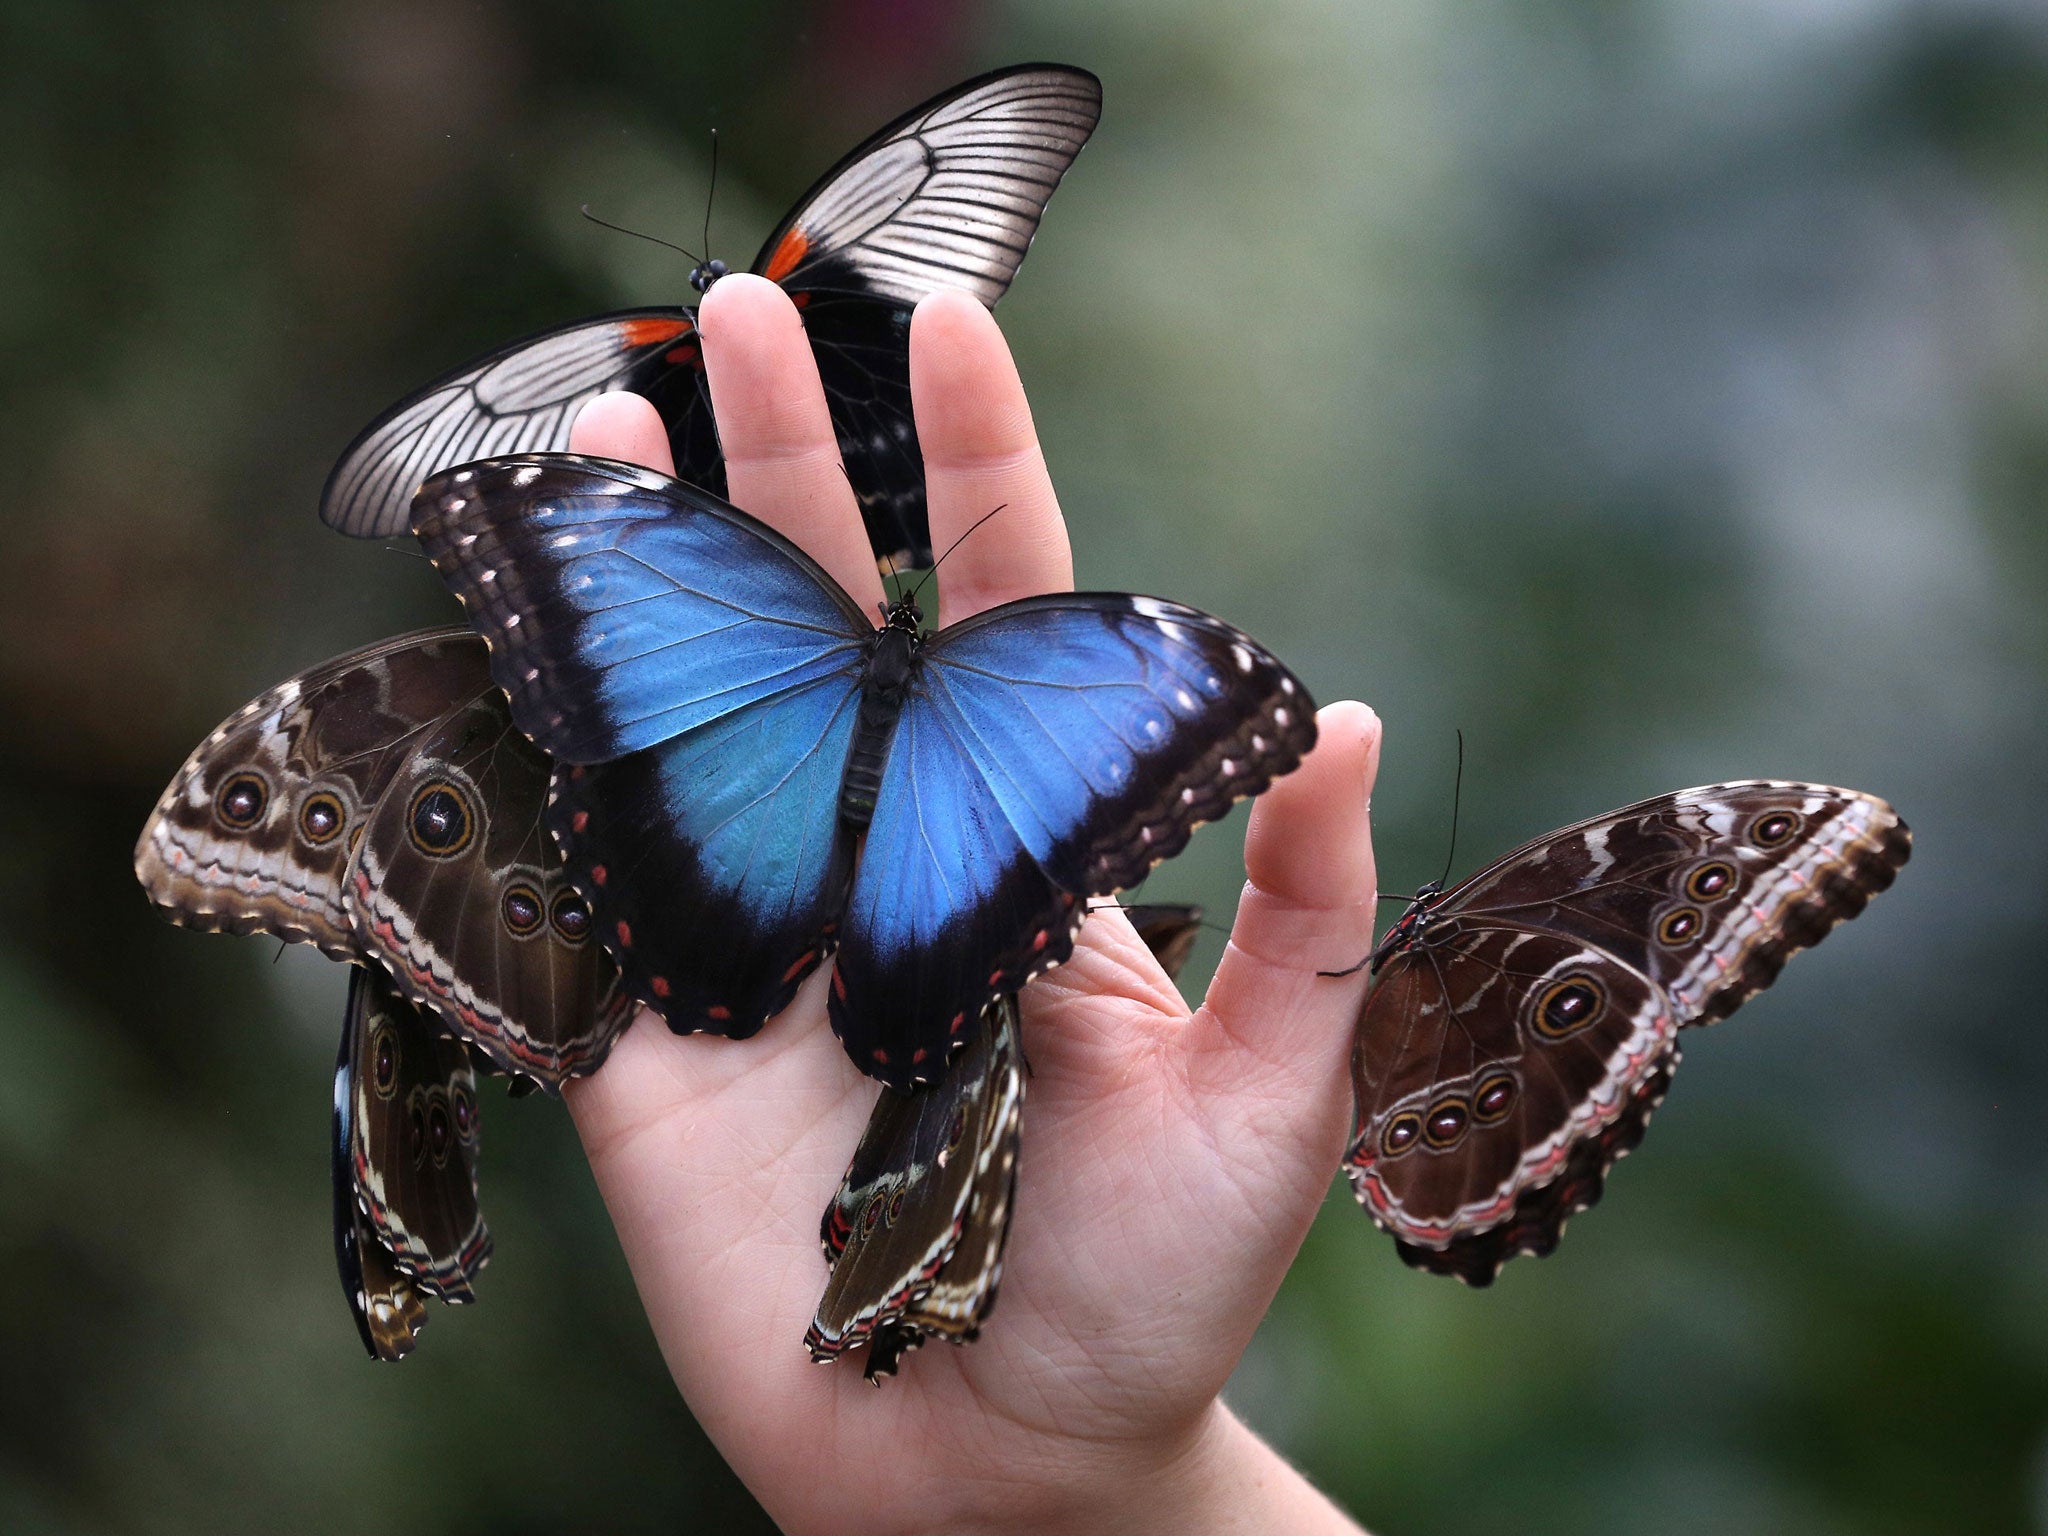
x=1171, y=1163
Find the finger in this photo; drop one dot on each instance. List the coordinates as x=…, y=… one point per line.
x=981, y=452
x=781, y=455
x=1307, y=907
x=623, y=426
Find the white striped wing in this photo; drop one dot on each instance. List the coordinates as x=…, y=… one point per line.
x=946, y=197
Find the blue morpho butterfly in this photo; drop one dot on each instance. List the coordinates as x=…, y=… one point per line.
x=947, y=196
x=760, y=777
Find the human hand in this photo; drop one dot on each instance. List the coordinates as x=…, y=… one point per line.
x=1171, y=1162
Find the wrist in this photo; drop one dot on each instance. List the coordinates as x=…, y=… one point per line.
x=1219, y=1477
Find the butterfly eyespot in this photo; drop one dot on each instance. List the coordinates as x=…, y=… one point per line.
x=320, y=817
x=871, y=1214
x=1447, y=1121
x=522, y=910
x=1568, y=1006
x=571, y=916
x=384, y=1061
x=957, y=1128
x=241, y=801
x=440, y=1132
x=465, y=1115
x=416, y=1134
x=440, y=821
x=1496, y=1096
x=1774, y=829
x=1679, y=926
x=1402, y=1132
x=1710, y=882
x=895, y=1205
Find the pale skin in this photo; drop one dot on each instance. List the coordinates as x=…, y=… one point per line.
x=1171, y=1164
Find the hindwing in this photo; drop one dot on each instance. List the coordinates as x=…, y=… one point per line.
x=413, y=1139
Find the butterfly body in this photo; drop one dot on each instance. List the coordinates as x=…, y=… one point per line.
x=1521, y=1026
x=947, y=196
x=759, y=779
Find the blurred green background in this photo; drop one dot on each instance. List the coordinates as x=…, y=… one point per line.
x=1656, y=389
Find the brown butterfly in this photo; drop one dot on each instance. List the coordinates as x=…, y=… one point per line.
x=1522, y=1026
x=915, y=1234
x=406, y=1221
x=383, y=805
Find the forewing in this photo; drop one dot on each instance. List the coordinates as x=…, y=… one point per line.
x=947, y=196
x=1108, y=727
x=522, y=398
x=412, y=1149
x=460, y=892
x=1484, y=1055
x=623, y=607
x=255, y=833
x=1707, y=891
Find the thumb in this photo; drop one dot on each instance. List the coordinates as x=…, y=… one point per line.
x=1268, y=1047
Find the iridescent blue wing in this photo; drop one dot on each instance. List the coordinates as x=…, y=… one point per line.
x=712, y=670
x=714, y=862
x=625, y=608
x=1051, y=750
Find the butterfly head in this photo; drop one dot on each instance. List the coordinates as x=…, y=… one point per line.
x=1409, y=929
x=904, y=616
x=705, y=273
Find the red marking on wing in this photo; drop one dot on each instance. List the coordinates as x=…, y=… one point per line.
x=651, y=330
x=686, y=353
x=718, y=1011
x=597, y=874
x=625, y=934
x=579, y=821
x=789, y=252
x=659, y=986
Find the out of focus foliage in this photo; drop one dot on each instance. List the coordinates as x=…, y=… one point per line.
x=1656, y=389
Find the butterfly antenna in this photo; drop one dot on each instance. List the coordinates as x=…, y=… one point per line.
x=1200, y=922
x=711, y=193
x=1457, y=797
x=642, y=235
x=928, y=575
x=400, y=549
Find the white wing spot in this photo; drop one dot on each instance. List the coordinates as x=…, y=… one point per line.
x=1258, y=742
x=526, y=474
x=1187, y=796
x=511, y=621
x=1280, y=717
x=489, y=575
x=1185, y=699
x=1244, y=658
x=463, y=477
